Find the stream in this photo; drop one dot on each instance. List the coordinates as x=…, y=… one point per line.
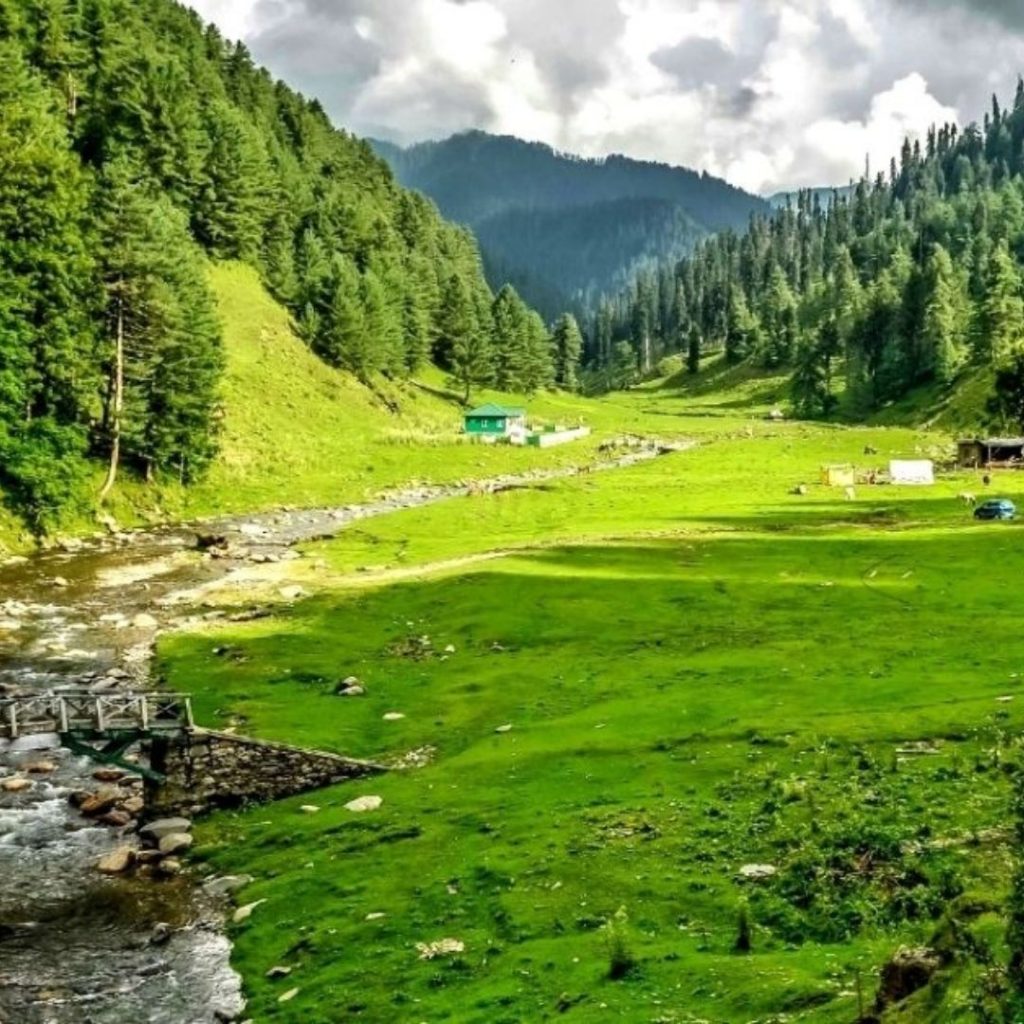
x=77, y=947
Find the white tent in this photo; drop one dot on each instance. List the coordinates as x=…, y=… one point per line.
x=916, y=472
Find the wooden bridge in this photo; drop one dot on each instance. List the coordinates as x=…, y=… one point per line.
x=115, y=720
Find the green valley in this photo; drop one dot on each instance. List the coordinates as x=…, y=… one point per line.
x=630, y=687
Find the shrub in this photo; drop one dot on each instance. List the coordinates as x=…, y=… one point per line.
x=621, y=960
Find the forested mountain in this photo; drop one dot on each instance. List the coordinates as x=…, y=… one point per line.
x=822, y=195
x=566, y=229
x=913, y=279
x=134, y=142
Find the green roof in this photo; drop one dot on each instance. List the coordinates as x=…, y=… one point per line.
x=491, y=410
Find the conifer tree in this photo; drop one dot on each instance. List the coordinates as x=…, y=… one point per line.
x=1001, y=313
x=538, y=367
x=943, y=327
x=343, y=340
x=511, y=340
x=467, y=345
x=693, y=348
x=568, y=348
x=47, y=342
x=163, y=341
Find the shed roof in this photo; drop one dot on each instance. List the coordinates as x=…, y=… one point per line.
x=996, y=442
x=492, y=409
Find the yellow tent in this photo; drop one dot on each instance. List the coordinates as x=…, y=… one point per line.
x=838, y=476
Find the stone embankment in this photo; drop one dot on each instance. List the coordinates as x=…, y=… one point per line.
x=205, y=770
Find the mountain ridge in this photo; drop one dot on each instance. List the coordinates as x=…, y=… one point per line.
x=507, y=189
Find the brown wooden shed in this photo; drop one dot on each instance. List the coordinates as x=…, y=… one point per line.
x=993, y=451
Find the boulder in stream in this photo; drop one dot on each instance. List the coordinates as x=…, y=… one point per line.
x=117, y=861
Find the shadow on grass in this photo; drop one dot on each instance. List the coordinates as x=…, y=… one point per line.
x=712, y=634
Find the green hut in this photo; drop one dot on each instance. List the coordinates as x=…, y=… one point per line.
x=495, y=421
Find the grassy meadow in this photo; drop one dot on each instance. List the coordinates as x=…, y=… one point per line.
x=630, y=686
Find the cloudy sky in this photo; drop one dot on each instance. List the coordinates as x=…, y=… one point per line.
x=769, y=94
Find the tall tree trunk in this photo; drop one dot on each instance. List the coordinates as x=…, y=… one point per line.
x=118, y=405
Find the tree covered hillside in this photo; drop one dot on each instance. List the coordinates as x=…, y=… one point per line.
x=914, y=279
x=563, y=228
x=135, y=141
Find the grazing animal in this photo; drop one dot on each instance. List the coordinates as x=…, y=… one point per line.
x=868, y=450
x=970, y=500
x=851, y=494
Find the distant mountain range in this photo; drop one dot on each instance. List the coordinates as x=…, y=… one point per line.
x=565, y=230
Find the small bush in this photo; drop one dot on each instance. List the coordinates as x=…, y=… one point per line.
x=744, y=937
x=621, y=959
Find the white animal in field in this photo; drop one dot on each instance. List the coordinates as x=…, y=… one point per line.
x=970, y=500
x=851, y=494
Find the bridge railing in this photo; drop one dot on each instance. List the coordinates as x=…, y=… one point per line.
x=71, y=712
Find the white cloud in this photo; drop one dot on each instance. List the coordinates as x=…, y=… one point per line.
x=770, y=93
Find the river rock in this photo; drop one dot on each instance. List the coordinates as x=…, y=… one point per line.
x=504, y=728
x=758, y=872
x=205, y=541
x=227, y=884
x=170, y=866
x=175, y=842
x=156, y=830
x=60, y=582
x=134, y=805
x=144, y=621
x=41, y=768
x=292, y=593
x=278, y=972
x=108, y=775
x=101, y=801
x=394, y=716
x=115, y=819
x=362, y=804
x=16, y=785
x=117, y=861
x=161, y=934
x=907, y=972
x=244, y=913
x=288, y=996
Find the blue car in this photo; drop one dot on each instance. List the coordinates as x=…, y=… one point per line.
x=998, y=508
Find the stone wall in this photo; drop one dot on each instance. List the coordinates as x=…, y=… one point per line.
x=208, y=770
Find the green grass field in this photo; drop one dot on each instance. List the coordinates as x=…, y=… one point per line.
x=701, y=671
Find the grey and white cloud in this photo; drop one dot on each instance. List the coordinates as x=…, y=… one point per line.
x=770, y=94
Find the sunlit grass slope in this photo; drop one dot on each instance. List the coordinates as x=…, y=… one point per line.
x=701, y=670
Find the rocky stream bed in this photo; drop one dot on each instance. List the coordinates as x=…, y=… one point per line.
x=78, y=946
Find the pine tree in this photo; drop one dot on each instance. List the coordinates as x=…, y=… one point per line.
x=943, y=327
x=778, y=315
x=163, y=340
x=568, y=348
x=511, y=341
x=624, y=366
x=693, y=350
x=538, y=367
x=1001, y=313
x=47, y=341
x=742, y=334
x=382, y=314
x=343, y=339
x=470, y=356
x=1007, y=403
